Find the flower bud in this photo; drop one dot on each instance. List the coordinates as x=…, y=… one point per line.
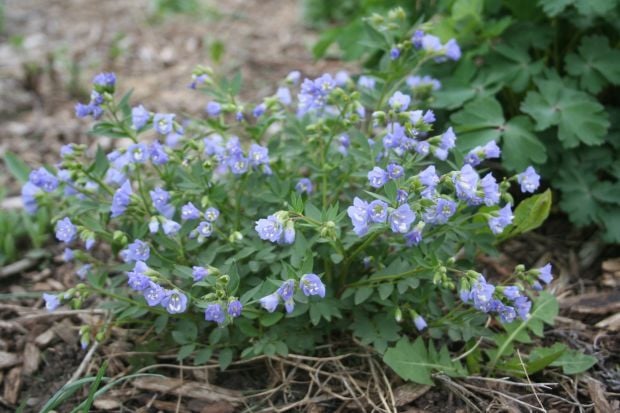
x=398, y=315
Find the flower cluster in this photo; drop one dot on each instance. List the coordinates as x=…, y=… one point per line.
x=309, y=284
x=104, y=85
x=230, y=156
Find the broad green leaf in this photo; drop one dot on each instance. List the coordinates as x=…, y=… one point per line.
x=577, y=199
x=578, y=116
x=17, y=167
x=515, y=65
x=225, y=358
x=410, y=361
x=596, y=64
x=554, y=7
x=529, y=214
x=593, y=8
x=574, y=362
x=482, y=120
x=520, y=146
x=362, y=294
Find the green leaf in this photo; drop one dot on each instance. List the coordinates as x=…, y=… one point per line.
x=574, y=362
x=225, y=358
x=595, y=65
x=554, y=7
x=362, y=294
x=202, y=356
x=413, y=361
x=17, y=167
x=270, y=319
x=529, y=215
x=482, y=121
x=185, y=351
x=578, y=116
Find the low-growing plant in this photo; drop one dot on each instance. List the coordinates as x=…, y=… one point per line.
x=539, y=77
x=271, y=228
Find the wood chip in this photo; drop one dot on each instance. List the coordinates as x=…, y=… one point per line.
x=31, y=358
x=190, y=389
x=593, y=303
x=17, y=267
x=66, y=331
x=107, y=404
x=8, y=360
x=409, y=392
x=13, y=385
x=597, y=394
x=44, y=338
x=612, y=266
x=610, y=323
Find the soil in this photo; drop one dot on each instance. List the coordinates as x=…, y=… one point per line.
x=50, y=49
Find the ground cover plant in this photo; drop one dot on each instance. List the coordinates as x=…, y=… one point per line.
x=542, y=78
x=268, y=229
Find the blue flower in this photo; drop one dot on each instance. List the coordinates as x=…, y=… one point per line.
x=235, y=308
x=238, y=164
x=153, y=294
x=502, y=220
x=52, y=301
x=43, y=179
x=270, y=228
x=170, y=227
x=82, y=110
x=107, y=80
x=395, y=171
x=416, y=39
x=420, y=322
x=138, y=251
x=431, y=43
x=366, y=82
x=448, y=139
x=522, y=306
x=452, y=50
x=138, y=280
x=293, y=77
x=529, y=180
x=401, y=196
x=466, y=184
x=429, y=117
x=507, y=314
x=358, y=213
x=342, y=78
x=313, y=94
x=83, y=271
x=121, y=199
x=414, y=237
x=189, y=211
x=512, y=292
x=377, y=177
x=482, y=294
x=212, y=214
x=213, y=109
x=311, y=284
x=215, y=313
x=65, y=230
x=394, y=53
x=174, y=302
x=378, y=211
x=270, y=302
x=89, y=243
x=158, y=154
x=304, y=185
x=544, y=274
x=441, y=212
x=160, y=198
x=139, y=117
x=284, y=96
x=138, y=153
x=401, y=219
x=202, y=231
x=163, y=122
x=199, y=273
x=67, y=255
x=491, y=190
x=399, y=101
x=259, y=110
x=429, y=178
x=258, y=155
x=286, y=291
